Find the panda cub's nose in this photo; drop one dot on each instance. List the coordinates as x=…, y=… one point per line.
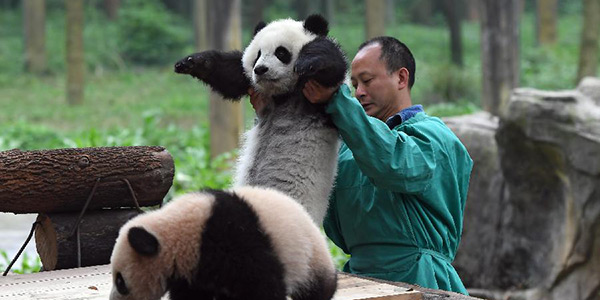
x=260, y=70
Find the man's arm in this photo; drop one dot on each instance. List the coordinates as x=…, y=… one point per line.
x=391, y=159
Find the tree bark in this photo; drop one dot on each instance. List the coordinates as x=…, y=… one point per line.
x=390, y=13
x=226, y=117
x=473, y=10
x=61, y=180
x=452, y=14
x=34, y=23
x=590, y=32
x=546, y=18
x=112, y=8
x=200, y=17
x=499, y=52
x=98, y=231
x=256, y=12
x=375, y=18
x=75, y=58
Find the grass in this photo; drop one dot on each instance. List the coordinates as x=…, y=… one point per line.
x=127, y=104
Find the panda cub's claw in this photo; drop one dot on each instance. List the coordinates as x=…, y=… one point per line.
x=198, y=65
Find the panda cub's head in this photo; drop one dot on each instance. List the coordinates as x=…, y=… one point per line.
x=270, y=58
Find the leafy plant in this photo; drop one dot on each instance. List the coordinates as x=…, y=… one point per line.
x=29, y=264
x=150, y=34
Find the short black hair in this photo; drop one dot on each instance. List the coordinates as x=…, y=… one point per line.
x=395, y=55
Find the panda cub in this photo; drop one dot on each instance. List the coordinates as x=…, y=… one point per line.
x=247, y=243
x=293, y=147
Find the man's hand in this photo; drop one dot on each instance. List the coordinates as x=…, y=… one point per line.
x=316, y=93
x=257, y=100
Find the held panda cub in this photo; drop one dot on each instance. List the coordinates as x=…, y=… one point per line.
x=293, y=147
x=248, y=243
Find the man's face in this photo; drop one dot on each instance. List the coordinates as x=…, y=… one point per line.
x=376, y=89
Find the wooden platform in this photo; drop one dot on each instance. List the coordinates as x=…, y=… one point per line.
x=95, y=283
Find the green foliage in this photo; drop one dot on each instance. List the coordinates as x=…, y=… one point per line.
x=29, y=264
x=149, y=34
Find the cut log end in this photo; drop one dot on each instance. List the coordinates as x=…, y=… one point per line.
x=98, y=232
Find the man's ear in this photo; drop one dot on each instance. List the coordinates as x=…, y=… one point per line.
x=403, y=78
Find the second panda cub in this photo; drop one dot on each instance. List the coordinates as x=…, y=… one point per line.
x=293, y=147
x=245, y=244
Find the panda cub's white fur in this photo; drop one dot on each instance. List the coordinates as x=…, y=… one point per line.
x=258, y=244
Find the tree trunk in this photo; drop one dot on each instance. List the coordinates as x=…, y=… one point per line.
x=200, y=18
x=390, y=13
x=546, y=18
x=473, y=10
x=34, y=23
x=452, y=14
x=375, y=20
x=61, y=180
x=112, y=8
x=226, y=118
x=75, y=58
x=499, y=52
x=590, y=32
x=98, y=231
x=256, y=12
x=329, y=10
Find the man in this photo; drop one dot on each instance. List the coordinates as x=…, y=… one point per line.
x=397, y=205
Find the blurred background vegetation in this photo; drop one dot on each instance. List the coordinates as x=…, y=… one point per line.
x=133, y=97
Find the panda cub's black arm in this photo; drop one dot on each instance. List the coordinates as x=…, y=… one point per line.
x=323, y=60
x=222, y=71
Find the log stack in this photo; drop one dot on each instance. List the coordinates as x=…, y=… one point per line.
x=98, y=188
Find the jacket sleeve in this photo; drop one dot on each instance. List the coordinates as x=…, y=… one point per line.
x=391, y=159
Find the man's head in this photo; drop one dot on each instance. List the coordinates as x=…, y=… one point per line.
x=382, y=74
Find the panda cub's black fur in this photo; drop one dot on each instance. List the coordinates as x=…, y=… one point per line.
x=293, y=147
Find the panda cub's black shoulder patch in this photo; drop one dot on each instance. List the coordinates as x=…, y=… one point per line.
x=233, y=240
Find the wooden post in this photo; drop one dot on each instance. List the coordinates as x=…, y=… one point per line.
x=75, y=61
x=61, y=180
x=226, y=117
x=34, y=23
x=499, y=52
x=375, y=18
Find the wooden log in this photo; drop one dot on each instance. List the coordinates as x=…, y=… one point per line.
x=60, y=180
x=98, y=231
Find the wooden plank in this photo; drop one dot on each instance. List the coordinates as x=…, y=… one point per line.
x=94, y=283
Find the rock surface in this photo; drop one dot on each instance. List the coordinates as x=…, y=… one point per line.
x=532, y=230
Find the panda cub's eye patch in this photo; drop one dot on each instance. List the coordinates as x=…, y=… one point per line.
x=257, y=57
x=121, y=286
x=283, y=55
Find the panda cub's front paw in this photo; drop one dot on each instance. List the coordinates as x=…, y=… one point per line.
x=309, y=67
x=198, y=65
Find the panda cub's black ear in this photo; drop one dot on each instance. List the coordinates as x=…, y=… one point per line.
x=142, y=241
x=259, y=26
x=317, y=25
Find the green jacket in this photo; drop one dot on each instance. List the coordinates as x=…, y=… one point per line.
x=397, y=206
